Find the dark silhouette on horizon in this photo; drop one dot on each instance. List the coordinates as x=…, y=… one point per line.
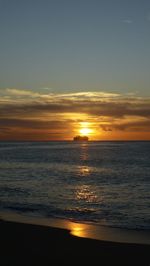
x=80, y=138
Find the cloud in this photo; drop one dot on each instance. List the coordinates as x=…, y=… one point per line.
x=90, y=103
x=127, y=21
x=33, y=123
x=99, y=107
x=17, y=92
x=52, y=113
x=128, y=126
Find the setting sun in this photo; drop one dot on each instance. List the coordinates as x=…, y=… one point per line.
x=85, y=131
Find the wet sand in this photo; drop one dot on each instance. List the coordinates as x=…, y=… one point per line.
x=28, y=244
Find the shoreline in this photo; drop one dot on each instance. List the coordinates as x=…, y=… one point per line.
x=27, y=244
x=82, y=230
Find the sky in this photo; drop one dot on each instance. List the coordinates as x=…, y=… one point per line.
x=70, y=67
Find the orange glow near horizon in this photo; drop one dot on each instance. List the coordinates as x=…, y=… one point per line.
x=86, y=129
x=30, y=115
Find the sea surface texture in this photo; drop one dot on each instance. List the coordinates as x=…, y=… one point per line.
x=105, y=183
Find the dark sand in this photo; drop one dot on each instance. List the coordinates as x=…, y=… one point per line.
x=26, y=244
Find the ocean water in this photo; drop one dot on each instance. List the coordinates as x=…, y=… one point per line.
x=104, y=183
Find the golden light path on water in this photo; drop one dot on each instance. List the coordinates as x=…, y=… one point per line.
x=85, y=192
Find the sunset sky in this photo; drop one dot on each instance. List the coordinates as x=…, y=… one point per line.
x=70, y=67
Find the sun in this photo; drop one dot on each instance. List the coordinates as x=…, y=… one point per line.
x=85, y=131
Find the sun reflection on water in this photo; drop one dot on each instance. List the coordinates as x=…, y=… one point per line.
x=84, y=152
x=86, y=193
x=83, y=170
x=78, y=229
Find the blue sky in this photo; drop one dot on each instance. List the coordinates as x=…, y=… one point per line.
x=82, y=45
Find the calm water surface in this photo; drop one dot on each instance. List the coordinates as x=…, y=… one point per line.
x=106, y=183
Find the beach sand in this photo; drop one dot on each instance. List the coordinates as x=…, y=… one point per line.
x=28, y=244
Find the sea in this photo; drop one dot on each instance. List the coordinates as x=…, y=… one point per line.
x=101, y=183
